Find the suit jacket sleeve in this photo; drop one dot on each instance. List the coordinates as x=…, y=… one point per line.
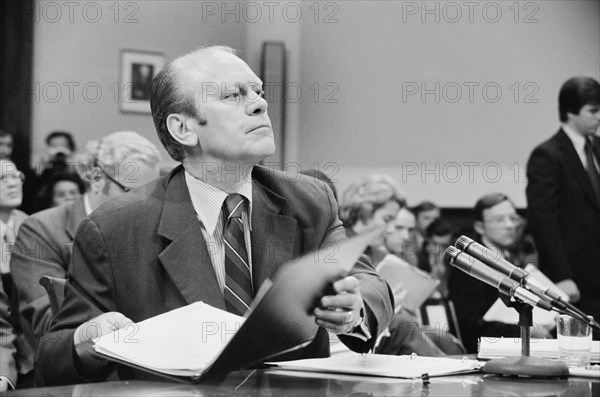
x=8, y=351
x=88, y=293
x=35, y=256
x=543, y=175
x=376, y=294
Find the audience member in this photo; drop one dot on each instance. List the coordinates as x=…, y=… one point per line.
x=425, y=213
x=146, y=252
x=8, y=351
x=438, y=236
x=43, y=246
x=63, y=187
x=60, y=157
x=373, y=202
x=7, y=147
x=496, y=224
x=11, y=194
x=401, y=240
x=563, y=195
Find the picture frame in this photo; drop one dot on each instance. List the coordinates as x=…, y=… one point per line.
x=138, y=69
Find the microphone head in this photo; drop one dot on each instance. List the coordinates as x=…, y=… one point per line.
x=463, y=242
x=450, y=254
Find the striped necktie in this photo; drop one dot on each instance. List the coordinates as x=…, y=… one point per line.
x=591, y=167
x=238, y=280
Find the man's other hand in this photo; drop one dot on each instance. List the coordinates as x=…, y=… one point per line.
x=569, y=287
x=339, y=313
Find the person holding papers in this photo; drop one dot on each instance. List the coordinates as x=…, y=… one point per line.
x=212, y=230
x=497, y=225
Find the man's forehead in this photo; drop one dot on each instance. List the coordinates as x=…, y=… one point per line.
x=504, y=207
x=216, y=66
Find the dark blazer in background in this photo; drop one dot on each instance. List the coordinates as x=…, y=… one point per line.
x=564, y=217
x=143, y=254
x=43, y=248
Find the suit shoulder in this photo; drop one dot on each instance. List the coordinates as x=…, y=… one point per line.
x=292, y=184
x=134, y=203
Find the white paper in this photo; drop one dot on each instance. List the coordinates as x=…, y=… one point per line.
x=417, y=284
x=500, y=312
x=490, y=347
x=183, y=342
x=383, y=365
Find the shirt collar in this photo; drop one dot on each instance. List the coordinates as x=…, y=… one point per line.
x=4, y=226
x=208, y=200
x=86, y=204
x=577, y=139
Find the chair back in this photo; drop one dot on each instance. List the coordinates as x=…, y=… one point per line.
x=55, y=288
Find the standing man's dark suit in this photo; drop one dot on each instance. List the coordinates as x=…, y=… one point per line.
x=143, y=254
x=564, y=217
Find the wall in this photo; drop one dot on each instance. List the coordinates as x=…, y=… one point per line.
x=378, y=58
x=360, y=72
x=77, y=57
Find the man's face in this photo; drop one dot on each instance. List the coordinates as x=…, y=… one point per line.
x=587, y=121
x=11, y=185
x=404, y=225
x=384, y=217
x=6, y=147
x=425, y=218
x=229, y=98
x=499, y=224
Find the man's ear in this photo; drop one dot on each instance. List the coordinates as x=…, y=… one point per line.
x=177, y=124
x=478, y=226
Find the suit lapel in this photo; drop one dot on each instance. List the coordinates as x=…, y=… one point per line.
x=576, y=167
x=273, y=234
x=186, y=258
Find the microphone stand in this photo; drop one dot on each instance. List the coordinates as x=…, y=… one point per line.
x=525, y=365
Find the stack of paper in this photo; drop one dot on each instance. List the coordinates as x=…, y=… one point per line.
x=546, y=348
x=383, y=365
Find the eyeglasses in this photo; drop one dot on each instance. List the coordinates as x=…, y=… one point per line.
x=124, y=188
x=17, y=176
x=497, y=220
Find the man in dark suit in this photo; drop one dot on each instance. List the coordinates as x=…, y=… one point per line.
x=164, y=246
x=497, y=227
x=563, y=194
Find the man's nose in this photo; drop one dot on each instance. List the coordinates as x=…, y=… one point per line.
x=256, y=104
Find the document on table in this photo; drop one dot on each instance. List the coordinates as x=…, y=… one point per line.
x=383, y=365
x=182, y=342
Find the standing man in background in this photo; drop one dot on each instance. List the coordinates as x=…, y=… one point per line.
x=563, y=194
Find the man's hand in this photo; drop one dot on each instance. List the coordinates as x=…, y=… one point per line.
x=569, y=287
x=339, y=313
x=101, y=325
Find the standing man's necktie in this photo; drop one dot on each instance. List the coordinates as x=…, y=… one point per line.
x=238, y=280
x=591, y=168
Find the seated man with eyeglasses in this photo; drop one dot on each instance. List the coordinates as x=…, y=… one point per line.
x=498, y=227
x=11, y=196
x=115, y=164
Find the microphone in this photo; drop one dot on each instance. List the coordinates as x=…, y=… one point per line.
x=480, y=271
x=496, y=261
x=519, y=275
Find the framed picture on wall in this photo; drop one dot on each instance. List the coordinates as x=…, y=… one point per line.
x=138, y=68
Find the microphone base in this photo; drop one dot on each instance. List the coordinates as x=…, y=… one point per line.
x=532, y=367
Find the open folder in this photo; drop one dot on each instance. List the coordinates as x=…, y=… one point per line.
x=198, y=341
